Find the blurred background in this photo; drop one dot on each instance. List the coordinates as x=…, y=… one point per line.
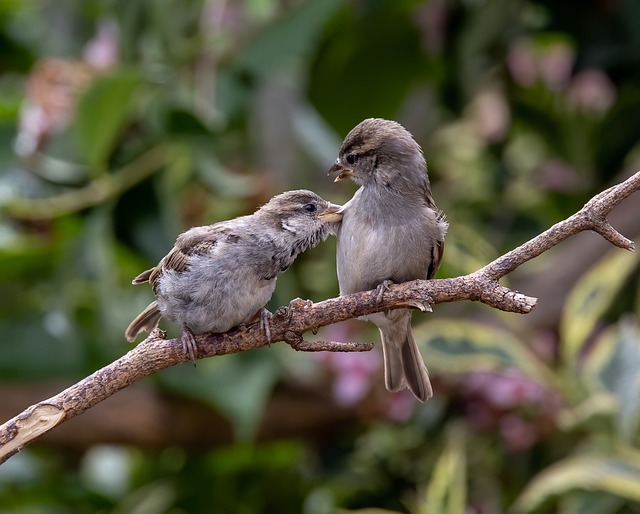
x=124, y=123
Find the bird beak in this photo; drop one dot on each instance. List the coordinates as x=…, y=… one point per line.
x=344, y=172
x=331, y=214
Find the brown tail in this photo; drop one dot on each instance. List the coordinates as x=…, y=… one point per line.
x=403, y=364
x=143, y=277
x=147, y=320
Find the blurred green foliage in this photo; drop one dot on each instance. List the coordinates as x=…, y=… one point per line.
x=124, y=123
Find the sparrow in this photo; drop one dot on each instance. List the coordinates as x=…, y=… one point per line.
x=219, y=276
x=391, y=232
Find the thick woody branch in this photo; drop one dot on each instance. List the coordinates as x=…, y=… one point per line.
x=289, y=323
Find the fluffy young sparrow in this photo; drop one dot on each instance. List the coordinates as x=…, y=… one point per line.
x=391, y=231
x=220, y=276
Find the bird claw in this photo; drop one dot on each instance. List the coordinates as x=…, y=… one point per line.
x=418, y=304
x=381, y=289
x=265, y=324
x=189, y=344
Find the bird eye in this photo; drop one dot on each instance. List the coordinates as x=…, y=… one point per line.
x=352, y=158
x=310, y=207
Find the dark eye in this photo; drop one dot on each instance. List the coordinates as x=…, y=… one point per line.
x=352, y=158
x=310, y=207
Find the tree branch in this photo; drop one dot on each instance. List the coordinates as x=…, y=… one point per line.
x=289, y=323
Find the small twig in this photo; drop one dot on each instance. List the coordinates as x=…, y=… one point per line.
x=298, y=343
x=288, y=323
x=96, y=192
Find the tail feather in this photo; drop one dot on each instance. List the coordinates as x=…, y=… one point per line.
x=403, y=364
x=143, y=277
x=415, y=370
x=393, y=368
x=147, y=320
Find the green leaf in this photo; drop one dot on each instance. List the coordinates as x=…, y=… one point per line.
x=591, y=503
x=156, y=496
x=237, y=385
x=184, y=123
x=618, y=475
x=454, y=346
x=101, y=114
x=214, y=174
x=468, y=249
x=591, y=414
x=447, y=491
x=273, y=48
x=348, y=83
x=589, y=300
x=485, y=25
x=315, y=135
x=613, y=365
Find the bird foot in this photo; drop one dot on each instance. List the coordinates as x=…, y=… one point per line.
x=381, y=289
x=189, y=344
x=265, y=324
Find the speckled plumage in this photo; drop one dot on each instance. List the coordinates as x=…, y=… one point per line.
x=391, y=231
x=219, y=276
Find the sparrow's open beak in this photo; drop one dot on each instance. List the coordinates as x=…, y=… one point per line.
x=344, y=172
x=331, y=214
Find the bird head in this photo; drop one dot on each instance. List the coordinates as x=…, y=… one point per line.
x=381, y=152
x=303, y=216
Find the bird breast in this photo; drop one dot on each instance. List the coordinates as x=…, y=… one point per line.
x=215, y=293
x=375, y=244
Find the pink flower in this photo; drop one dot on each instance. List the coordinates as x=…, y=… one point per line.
x=556, y=175
x=52, y=91
x=550, y=64
x=555, y=64
x=490, y=115
x=521, y=61
x=505, y=390
x=101, y=51
x=431, y=19
x=401, y=405
x=54, y=86
x=591, y=90
x=354, y=373
x=481, y=417
x=517, y=434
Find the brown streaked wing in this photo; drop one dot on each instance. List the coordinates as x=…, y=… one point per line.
x=178, y=258
x=436, y=259
x=437, y=252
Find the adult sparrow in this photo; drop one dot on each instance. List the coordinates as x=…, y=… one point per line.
x=220, y=276
x=391, y=231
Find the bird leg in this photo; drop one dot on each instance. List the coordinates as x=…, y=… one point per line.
x=265, y=324
x=263, y=316
x=382, y=288
x=189, y=344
